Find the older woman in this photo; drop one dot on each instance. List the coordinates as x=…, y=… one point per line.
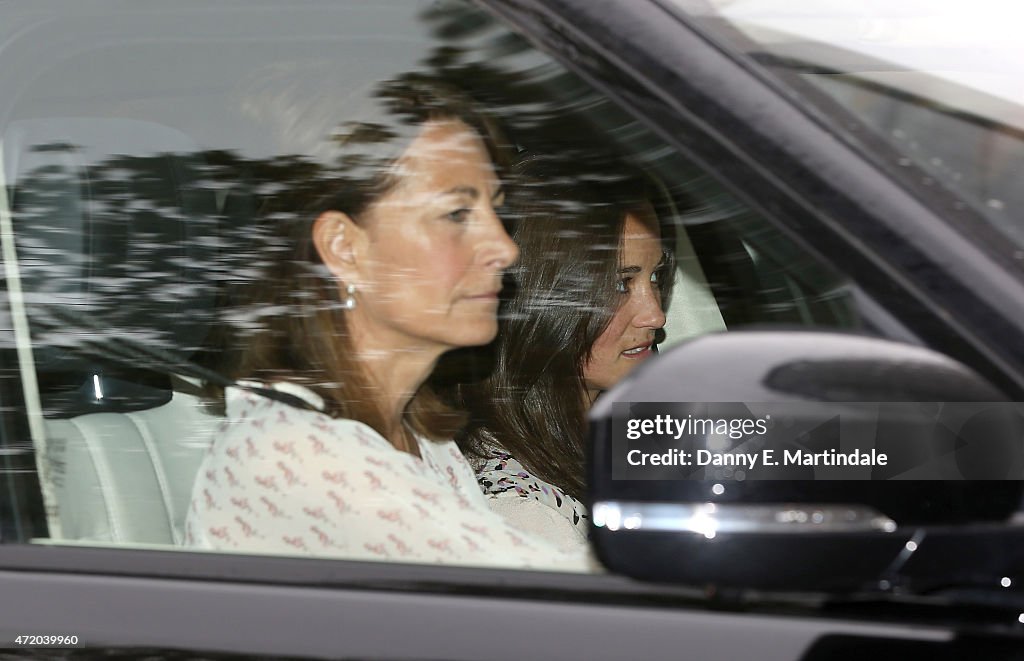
x=332, y=444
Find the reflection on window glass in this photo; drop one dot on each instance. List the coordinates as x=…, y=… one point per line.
x=345, y=282
x=976, y=157
x=938, y=81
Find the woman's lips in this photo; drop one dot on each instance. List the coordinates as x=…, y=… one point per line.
x=490, y=297
x=638, y=353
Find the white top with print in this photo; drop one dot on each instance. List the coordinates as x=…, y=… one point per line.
x=280, y=479
x=530, y=503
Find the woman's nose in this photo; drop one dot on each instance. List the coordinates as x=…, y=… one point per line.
x=499, y=250
x=649, y=314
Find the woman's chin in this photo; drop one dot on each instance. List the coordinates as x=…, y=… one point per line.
x=472, y=333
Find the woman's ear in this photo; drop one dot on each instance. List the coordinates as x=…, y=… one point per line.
x=338, y=241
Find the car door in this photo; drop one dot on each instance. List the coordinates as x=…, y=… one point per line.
x=182, y=123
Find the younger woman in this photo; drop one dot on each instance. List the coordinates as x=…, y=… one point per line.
x=586, y=311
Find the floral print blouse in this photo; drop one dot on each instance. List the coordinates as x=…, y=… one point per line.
x=280, y=479
x=528, y=501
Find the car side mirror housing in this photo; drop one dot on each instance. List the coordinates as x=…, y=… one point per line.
x=943, y=515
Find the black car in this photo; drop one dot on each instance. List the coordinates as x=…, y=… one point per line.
x=851, y=218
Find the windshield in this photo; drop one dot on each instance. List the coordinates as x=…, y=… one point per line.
x=938, y=81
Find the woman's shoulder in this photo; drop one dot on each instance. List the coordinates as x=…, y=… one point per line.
x=266, y=430
x=260, y=426
x=262, y=407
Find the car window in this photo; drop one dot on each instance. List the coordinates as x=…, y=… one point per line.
x=934, y=83
x=147, y=149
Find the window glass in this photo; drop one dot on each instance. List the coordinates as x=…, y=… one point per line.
x=938, y=82
x=165, y=167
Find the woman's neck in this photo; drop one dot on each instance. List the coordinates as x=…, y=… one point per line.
x=396, y=374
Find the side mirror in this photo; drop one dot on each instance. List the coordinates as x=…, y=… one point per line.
x=936, y=512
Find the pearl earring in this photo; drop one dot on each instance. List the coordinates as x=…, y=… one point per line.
x=350, y=297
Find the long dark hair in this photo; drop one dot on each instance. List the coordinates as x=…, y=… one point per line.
x=289, y=319
x=569, y=230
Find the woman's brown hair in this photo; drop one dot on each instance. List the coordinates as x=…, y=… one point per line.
x=569, y=231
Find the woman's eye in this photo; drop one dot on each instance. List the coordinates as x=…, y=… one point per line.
x=459, y=215
x=622, y=286
x=656, y=279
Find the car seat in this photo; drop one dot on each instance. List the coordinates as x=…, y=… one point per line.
x=115, y=241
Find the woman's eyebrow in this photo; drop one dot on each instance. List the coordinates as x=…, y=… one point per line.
x=630, y=269
x=472, y=192
x=468, y=191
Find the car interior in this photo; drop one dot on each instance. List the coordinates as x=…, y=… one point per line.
x=109, y=263
x=103, y=274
